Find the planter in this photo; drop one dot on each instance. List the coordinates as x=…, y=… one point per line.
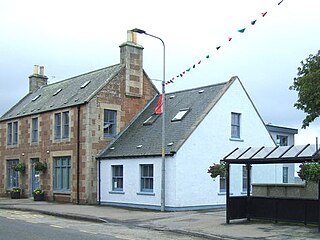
x=15, y=195
x=38, y=197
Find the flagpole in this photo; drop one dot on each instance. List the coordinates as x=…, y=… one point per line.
x=163, y=154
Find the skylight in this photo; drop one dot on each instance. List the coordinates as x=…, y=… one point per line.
x=59, y=90
x=35, y=98
x=180, y=115
x=150, y=120
x=201, y=91
x=85, y=84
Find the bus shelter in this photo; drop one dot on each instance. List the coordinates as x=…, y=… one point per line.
x=277, y=209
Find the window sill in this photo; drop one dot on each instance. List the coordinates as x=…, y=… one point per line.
x=236, y=139
x=146, y=193
x=67, y=192
x=61, y=141
x=12, y=146
x=116, y=192
x=245, y=193
x=223, y=193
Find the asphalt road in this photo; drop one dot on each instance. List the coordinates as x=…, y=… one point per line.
x=17, y=229
x=34, y=226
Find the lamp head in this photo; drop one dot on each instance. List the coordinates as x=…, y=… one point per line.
x=137, y=30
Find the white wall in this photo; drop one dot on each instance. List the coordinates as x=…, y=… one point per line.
x=210, y=142
x=131, y=182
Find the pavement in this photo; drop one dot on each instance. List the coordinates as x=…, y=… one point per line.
x=205, y=224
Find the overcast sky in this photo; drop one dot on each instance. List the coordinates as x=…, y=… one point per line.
x=73, y=37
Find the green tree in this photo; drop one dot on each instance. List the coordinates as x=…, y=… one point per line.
x=307, y=83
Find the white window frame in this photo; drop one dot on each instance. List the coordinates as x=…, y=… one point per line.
x=12, y=133
x=109, y=123
x=180, y=115
x=62, y=174
x=117, y=178
x=235, y=125
x=61, y=125
x=244, y=178
x=222, y=184
x=146, y=178
x=285, y=174
x=34, y=130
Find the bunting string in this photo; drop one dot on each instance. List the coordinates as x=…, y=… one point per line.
x=195, y=65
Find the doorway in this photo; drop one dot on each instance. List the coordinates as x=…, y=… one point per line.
x=35, y=175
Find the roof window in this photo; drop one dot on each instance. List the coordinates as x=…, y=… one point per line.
x=170, y=144
x=180, y=115
x=35, y=98
x=85, y=84
x=201, y=91
x=59, y=90
x=150, y=120
x=139, y=146
x=172, y=96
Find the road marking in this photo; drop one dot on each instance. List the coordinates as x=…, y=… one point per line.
x=56, y=226
x=84, y=231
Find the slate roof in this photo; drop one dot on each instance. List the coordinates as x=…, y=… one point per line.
x=70, y=95
x=199, y=101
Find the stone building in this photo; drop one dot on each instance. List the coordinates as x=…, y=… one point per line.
x=64, y=125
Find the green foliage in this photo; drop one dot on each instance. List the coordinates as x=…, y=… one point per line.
x=19, y=167
x=16, y=189
x=37, y=191
x=40, y=166
x=217, y=169
x=307, y=83
x=310, y=172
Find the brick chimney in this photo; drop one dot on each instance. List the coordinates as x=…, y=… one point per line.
x=37, y=79
x=131, y=54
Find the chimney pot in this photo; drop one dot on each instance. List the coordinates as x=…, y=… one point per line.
x=41, y=70
x=131, y=36
x=36, y=69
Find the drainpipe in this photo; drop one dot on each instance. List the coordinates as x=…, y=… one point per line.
x=78, y=154
x=99, y=173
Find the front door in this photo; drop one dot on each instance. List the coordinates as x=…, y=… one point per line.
x=35, y=175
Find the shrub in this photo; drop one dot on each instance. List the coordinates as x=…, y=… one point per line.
x=217, y=169
x=19, y=167
x=310, y=171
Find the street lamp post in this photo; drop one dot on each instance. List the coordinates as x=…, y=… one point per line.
x=163, y=156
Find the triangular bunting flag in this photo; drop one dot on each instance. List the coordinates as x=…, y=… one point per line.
x=207, y=56
x=253, y=22
x=181, y=75
x=158, y=109
x=194, y=65
x=242, y=30
x=280, y=2
x=263, y=14
x=199, y=62
x=183, y=72
x=229, y=39
x=218, y=47
x=188, y=70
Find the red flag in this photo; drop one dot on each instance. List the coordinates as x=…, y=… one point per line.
x=159, y=105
